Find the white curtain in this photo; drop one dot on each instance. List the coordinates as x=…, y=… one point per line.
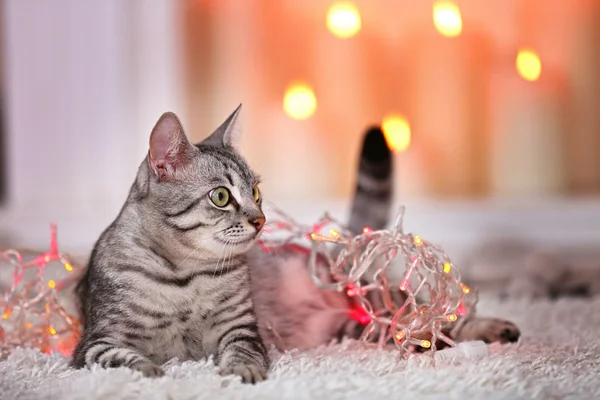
x=84, y=83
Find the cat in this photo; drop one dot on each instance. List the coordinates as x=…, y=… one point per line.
x=161, y=278
x=294, y=313
x=168, y=278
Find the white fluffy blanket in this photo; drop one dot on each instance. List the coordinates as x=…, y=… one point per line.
x=558, y=357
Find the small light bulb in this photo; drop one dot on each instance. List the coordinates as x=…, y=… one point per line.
x=68, y=267
x=425, y=344
x=333, y=233
x=7, y=313
x=47, y=258
x=366, y=229
x=465, y=288
x=51, y=284
x=51, y=330
x=28, y=325
x=447, y=267
x=400, y=335
x=452, y=317
x=313, y=235
x=351, y=291
x=418, y=241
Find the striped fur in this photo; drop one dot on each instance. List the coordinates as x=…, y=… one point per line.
x=169, y=277
x=373, y=196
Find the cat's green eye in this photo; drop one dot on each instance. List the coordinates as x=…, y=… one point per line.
x=220, y=196
x=256, y=193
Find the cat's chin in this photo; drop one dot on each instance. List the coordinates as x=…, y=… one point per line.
x=234, y=247
x=244, y=245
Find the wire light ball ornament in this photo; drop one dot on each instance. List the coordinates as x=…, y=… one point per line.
x=31, y=315
x=436, y=301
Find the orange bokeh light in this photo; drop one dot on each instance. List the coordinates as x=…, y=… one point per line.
x=529, y=65
x=299, y=101
x=343, y=20
x=447, y=18
x=396, y=130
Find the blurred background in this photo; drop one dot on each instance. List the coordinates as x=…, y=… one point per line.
x=492, y=108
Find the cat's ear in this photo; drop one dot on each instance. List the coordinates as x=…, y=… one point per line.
x=228, y=134
x=170, y=149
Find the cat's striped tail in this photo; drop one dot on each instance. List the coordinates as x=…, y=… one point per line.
x=374, y=189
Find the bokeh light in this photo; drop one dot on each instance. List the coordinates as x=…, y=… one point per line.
x=396, y=130
x=343, y=20
x=299, y=101
x=529, y=65
x=447, y=19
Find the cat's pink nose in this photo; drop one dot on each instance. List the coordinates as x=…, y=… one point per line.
x=258, y=223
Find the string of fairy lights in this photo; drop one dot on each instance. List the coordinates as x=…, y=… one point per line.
x=436, y=302
x=31, y=313
x=344, y=21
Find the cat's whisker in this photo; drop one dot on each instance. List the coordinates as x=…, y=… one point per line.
x=226, y=260
x=219, y=259
x=188, y=256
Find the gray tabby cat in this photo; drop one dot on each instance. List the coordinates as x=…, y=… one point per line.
x=177, y=273
x=168, y=278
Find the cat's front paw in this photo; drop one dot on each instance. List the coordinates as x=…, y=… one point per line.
x=250, y=373
x=149, y=369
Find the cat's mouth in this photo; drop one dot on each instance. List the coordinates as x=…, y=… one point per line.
x=244, y=240
x=238, y=241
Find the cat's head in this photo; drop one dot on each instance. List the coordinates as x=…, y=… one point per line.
x=203, y=196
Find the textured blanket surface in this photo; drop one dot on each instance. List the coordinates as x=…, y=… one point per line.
x=558, y=357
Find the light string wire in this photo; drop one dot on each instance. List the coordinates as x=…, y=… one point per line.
x=32, y=315
x=436, y=301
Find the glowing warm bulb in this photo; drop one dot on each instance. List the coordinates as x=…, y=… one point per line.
x=425, y=344
x=418, y=241
x=28, y=325
x=68, y=267
x=447, y=267
x=529, y=65
x=452, y=317
x=400, y=335
x=51, y=330
x=465, y=288
x=299, y=101
x=447, y=19
x=51, y=284
x=313, y=235
x=343, y=20
x=7, y=313
x=333, y=233
x=366, y=229
x=396, y=130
